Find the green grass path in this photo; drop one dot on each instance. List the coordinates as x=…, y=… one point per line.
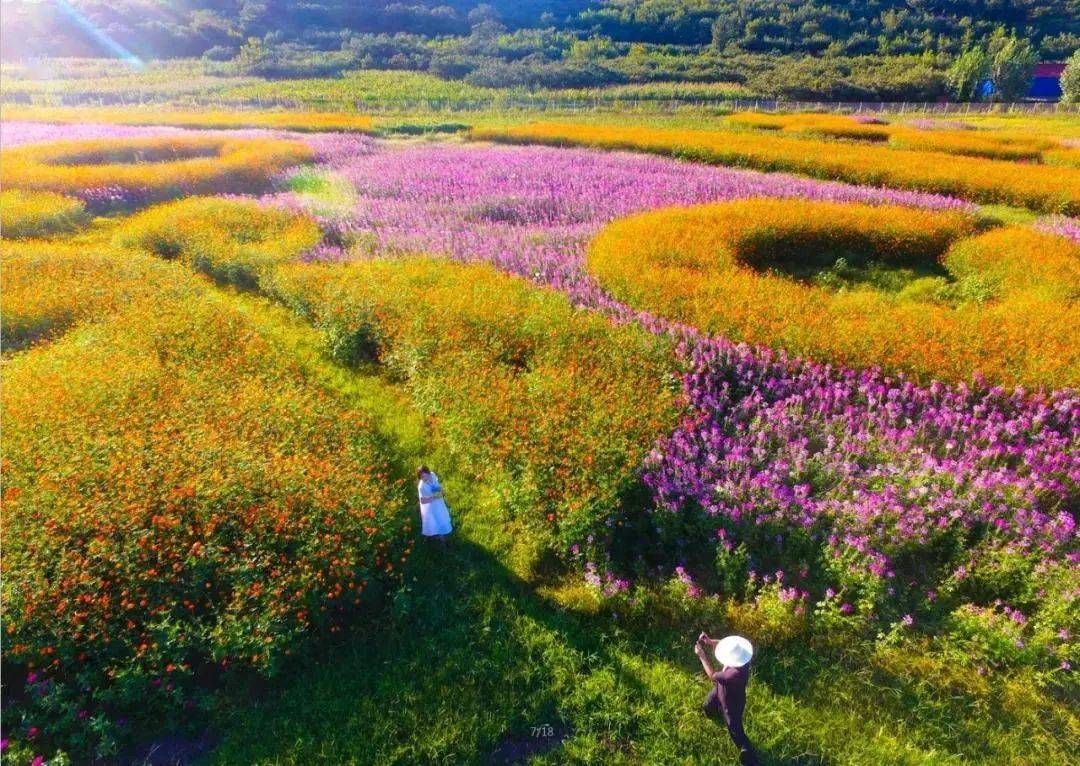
x=471, y=657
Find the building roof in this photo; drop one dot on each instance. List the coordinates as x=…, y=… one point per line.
x=1049, y=69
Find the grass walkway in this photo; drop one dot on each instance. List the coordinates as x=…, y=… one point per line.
x=473, y=662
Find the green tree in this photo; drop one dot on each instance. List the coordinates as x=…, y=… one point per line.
x=968, y=70
x=1070, y=80
x=1012, y=62
x=253, y=55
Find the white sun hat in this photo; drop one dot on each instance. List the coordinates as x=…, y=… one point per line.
x=734, y=651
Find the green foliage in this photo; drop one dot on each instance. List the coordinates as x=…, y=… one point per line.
x=1011, y=63
x=847, y=50
x=967, y=73
x=1070, y=80
x=253, y=56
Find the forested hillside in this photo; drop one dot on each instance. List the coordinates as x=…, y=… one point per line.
x=848, y=50
x=155, y=28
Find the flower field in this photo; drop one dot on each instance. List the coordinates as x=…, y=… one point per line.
x=119, y=173
x=1047, y=188
x=925, y=136
x=1003, y=306
x=827, y=414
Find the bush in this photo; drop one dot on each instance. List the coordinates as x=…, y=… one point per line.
x=1070, y=80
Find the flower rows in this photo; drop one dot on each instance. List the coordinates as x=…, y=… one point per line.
x=1046, y=188
x=149, y=169
x=179, y=499
x=923, y=135
x=1009, y=312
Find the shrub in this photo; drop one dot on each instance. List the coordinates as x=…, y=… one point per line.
x=179, y=500
x=720, y=268
x=38, y=214
x=144, y=170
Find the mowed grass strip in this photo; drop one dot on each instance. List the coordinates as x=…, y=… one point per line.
x=1052, y=189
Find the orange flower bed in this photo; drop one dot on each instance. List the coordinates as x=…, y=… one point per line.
x=39, y=214
x=989, y=144
x=179, y=496
x=152, y=169
x=86, y=281
x=1009, y=312
x=230, y=240
x=1045, y=188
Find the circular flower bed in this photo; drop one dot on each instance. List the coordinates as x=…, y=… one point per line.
x=857, y=285
x=122, y=173
x=231, y=240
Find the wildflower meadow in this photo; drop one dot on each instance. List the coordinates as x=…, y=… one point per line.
x=800, y=377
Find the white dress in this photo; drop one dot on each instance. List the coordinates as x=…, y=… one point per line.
x=434, y=515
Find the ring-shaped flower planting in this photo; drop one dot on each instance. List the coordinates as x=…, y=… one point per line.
x=233, y=241
x=123, y=173
x=905, y=289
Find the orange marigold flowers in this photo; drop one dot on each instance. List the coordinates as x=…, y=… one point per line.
x=126, y=414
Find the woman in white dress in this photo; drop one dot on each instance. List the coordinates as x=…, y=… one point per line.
x=434, y=515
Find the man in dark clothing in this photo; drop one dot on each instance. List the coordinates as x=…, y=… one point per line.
x=727, y=700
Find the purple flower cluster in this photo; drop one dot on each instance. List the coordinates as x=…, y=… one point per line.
x=871, y=465
x=1062, y=226
x=107, y=199
x=17, y=133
